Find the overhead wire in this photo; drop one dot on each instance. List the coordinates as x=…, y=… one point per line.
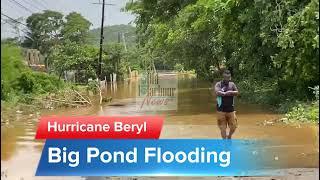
x=11, y=7
x=26, y=33
x=22, y=6
x=43, y=4
x=16, y=21
x=13, y=19
x=32, y=5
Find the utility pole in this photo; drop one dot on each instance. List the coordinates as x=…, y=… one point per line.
x=101, y=37
x=101, y=41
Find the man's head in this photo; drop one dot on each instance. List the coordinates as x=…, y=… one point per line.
x=226, y=75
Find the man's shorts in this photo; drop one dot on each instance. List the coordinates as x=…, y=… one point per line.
x=227, y=119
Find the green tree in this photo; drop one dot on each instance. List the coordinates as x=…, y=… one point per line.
x=45, y=30
x=272, y=45
x=76, y=28
x=299, y=43
x=71, y=56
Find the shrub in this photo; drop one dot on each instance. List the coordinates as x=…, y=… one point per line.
x=38, y=82
x=303, y=113
x=11, y=67
x=179, y=67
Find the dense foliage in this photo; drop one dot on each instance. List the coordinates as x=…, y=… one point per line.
x=272, y=47
x=304, y=112
x=83, y=59
x=11, y=66
x=45, y=30
x=76, y=28
x=18, y=82
x=69, y=45
x=50, y=29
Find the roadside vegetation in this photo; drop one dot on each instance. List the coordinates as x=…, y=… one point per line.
x=271, y=47
x=304, y=112
x=21, y=86
x=63, y=41
x=18, y=81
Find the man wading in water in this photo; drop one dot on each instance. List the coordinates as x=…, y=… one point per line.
x=225, y=91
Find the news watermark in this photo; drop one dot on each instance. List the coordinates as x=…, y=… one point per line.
x=157, y=91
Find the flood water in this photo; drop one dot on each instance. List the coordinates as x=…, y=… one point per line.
x=195, y=117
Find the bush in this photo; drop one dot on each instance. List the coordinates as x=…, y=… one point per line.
x=38, y=82
x=179, y=67
x=93, y=86
x=272, y=93
x=259, y=92
x=303, y=113
x=11, y=67
x=11, y=62
x=18, y=82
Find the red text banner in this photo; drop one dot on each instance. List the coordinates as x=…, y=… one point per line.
x=99, y=127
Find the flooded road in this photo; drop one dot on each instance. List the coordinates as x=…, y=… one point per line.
x=195, y=117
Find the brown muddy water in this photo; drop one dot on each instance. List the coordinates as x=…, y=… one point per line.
x=194, y=118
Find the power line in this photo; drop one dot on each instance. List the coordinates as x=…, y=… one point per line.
x=14, y=20
x=12, y=6
x=3, y=22
x=16, y=27
x=7, y=31
x=31, y=5
x=22, y=6
x=40, y=4
x=13, y=25
x=43, y=4
x=26, y=33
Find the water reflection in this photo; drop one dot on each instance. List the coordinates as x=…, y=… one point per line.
x=194, y=118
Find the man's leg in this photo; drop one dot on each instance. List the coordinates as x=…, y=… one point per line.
x=232, y=123
x=222, y=123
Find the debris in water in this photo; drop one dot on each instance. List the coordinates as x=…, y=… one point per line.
x=106, y=99
x=116, y=105
x=268, y=123
x=18, y=111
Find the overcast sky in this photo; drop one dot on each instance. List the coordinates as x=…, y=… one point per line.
x=92, y=12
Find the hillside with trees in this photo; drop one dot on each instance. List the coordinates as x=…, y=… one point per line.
x=113, y=34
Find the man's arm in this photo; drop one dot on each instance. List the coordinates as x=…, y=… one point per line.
x=218, y=91
x=234, y=91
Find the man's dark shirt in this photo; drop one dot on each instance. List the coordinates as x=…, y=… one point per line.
x=225, y=103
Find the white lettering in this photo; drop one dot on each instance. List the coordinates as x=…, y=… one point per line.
x=149, y=154
x=54, y=156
